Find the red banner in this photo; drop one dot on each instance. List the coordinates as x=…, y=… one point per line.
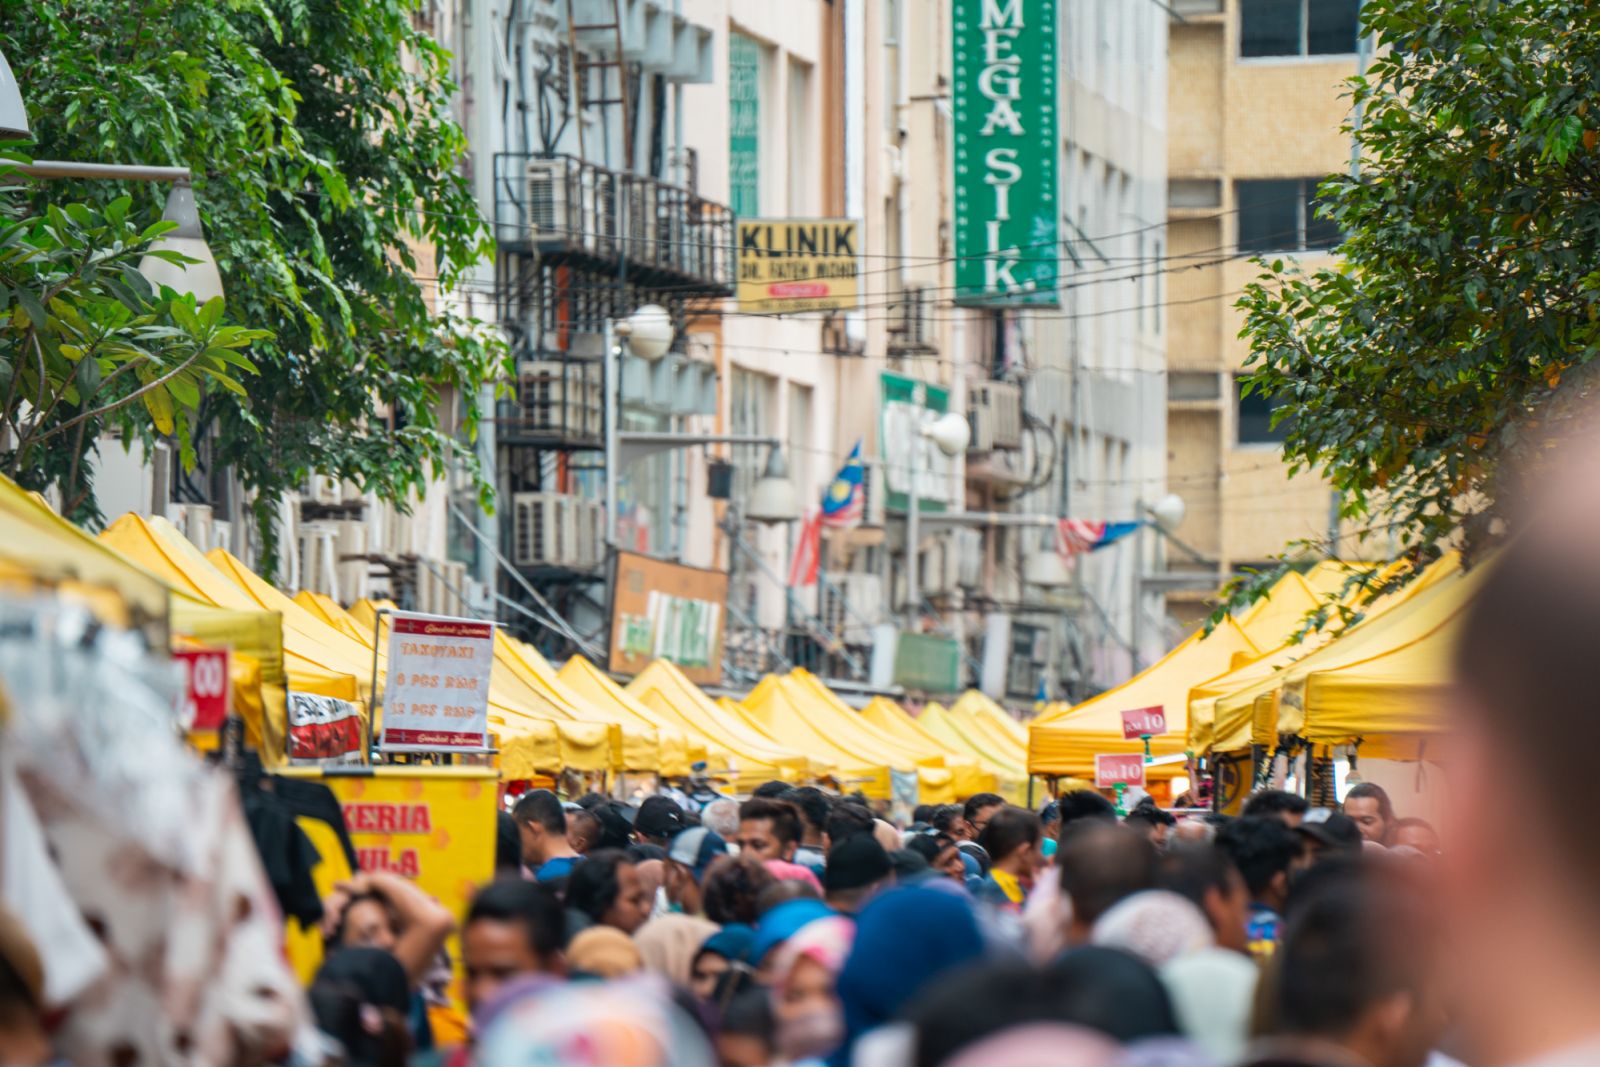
x=1144, y=722
x=207, y=686
x=1111, y=771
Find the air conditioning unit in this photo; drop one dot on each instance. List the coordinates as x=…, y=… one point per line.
x=874, y=488
x=561, y=195
x=589, y=538
x=562, y=399
x=968, y=546
x=643, y=225
x=994, y=410
x=544, y=529
x=911, y=329
x=857, y=608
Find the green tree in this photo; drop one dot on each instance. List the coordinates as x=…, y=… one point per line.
x=1456, y=331
x=87, y=348
x=325, y=160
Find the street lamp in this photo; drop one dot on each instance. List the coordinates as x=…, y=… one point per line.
x=200, y=278
x=773, y=499
x=949, y=434
x=648, y=331
x=13, y=115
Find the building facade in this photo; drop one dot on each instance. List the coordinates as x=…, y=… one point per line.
x=1257, y=105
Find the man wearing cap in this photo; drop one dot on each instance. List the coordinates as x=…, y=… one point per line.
x=857, y=868
x=701, y=790
x=688, y=858
x=659, y=820
x=1325, y=833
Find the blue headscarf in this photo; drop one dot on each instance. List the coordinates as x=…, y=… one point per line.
x=782, y=923
x=732, y=942
x=904, y=939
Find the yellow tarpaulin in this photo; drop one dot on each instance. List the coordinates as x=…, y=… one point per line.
x=1012, y=777
x=977, y=724
x=788, y=715
x=1244, y=705
x=970, y=773
x=1065, y=740
x=980, y=703
x=664, y=689
x=586, y=682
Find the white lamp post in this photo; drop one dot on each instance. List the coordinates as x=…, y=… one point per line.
x=773, y=499
x=13, y=115
x=950, y=434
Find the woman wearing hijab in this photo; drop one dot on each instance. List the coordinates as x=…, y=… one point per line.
x=722, y=951
x=1155, y=925
x=805, y=1000
x=904, y=939
x=669, y=944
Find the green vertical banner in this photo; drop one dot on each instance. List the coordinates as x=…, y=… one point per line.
x=744, y=126
x=1004, y=96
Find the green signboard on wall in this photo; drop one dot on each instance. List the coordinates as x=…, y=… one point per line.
x=1006, y=217
x=927, y=663
x=744, y=125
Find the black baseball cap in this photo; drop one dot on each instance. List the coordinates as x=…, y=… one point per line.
x=659, y=817
x=1333, y=830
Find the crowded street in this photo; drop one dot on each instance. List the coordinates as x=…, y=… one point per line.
x=833, y=533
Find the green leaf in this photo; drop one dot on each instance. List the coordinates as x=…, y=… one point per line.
x=29, y=303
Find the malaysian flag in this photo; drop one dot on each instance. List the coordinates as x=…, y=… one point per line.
x=807, y=558
x=845, y=501
x=1076, y=536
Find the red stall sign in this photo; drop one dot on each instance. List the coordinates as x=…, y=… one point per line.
x=207, y=686
x=1144, y=722
x=1112, y=770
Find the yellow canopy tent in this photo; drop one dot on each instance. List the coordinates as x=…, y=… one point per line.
x=664, y=689
x=970, y=773
x=1065, y=740
x=1398, y=668
x=980, y=725
x=533, y=733
x=791, y=717
x=590, y=685
x=636, y=744
x=935, y=777
x=1012, y=776
x=1244, y=705
x=983, y=705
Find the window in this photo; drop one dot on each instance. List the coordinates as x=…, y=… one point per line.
x=1280, y=215
x=745, y=73
x=1255, y=417
x=1193, y=385
x=1298, y=27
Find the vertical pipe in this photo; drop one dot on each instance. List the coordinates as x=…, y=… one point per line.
x=613, y=395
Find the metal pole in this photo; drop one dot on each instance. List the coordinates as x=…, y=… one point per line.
x=1136, y=581
x=122, y=172
x=612, y=393
x=913, y=538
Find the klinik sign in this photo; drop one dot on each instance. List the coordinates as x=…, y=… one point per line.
x=1004, y=96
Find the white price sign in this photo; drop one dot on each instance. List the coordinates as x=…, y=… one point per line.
x=437, y=691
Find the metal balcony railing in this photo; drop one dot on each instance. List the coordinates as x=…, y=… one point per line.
x=558, y=403
x=565, y=209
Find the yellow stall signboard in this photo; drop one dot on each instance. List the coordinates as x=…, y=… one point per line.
x=793, y=265
x=434, y=825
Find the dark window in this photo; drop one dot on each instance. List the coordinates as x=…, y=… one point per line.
x=1298, y=27
x=1255, y=417
x=1280, y=215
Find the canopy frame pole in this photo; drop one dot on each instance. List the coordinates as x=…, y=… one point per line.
x=377, y=702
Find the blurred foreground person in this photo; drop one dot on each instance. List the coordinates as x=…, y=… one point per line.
x=613, y=1024
x=514, y=929
x=1355, y=980
x=805, y=999
x=1518, y=879
x=360, y=998
x=1264, y=850
x=23, y=1040
x=1101, y=864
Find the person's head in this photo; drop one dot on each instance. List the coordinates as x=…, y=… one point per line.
x=1277, y=804
x=1151, y=821
x=616, y=831
x=726, y=949
x=805, y=1001
x=847, y=818
x=857, y=868
x=922, y=814
x=542, y=822
x=1050, y=818
x=947, y=820
x=784, y=890
x=747, y=1030
x=583, y=831
x=723, y=817
x=943, y=857
x=688, y=858
x=1080, y=805
x=1355, y=968
x=977, y=811
x=1263, y=849
x=507, y=844
x=659, y=819
x=771, y=790
x=1208, y=879
x=1372, y=810
x=731, y=888
x=1101, y=863
x=813, y=805
x=607, y=888
x=1415, y=833
x=367, y=921
x=768, y=829
x=1012, y=837
x=513, y=928
x=1325, y=833
x=360, y=997
x=604, y=952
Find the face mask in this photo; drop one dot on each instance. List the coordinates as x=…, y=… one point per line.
x=813, y=1033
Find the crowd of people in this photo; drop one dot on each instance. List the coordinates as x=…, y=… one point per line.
x=799, y=927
